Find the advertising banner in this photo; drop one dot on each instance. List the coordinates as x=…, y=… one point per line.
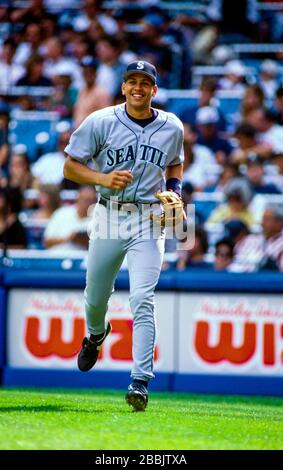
x=2, y=325
x=231, y=334
x=46, y=327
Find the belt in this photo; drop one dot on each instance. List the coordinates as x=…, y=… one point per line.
x=123, y=205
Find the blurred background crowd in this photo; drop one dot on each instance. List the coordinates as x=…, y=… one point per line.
x=220, y=70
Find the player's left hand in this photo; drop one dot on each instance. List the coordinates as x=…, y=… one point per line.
x=173, y=208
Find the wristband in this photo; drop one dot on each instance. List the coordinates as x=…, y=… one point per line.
x=175, y=185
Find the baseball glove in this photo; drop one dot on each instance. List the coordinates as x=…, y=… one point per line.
x=172, y=210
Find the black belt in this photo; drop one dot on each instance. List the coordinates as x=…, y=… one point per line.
x=115, y=204
x=118, y=205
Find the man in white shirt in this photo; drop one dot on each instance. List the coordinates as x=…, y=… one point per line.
x=200, y=167
x=10, y=71
x=263, y=251
x=67, y=228
x=270, y=133
x=48, y=169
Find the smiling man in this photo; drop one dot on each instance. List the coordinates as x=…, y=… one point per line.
x=137, y=151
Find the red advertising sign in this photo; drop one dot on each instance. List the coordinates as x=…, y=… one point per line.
x=231, y=334
x=49, y=327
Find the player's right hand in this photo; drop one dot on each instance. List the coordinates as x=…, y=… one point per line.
x=117, y=179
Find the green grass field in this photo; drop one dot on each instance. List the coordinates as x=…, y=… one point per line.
x=91, y=419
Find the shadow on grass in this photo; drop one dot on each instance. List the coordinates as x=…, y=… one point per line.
x=164, y=397
x=52, y=408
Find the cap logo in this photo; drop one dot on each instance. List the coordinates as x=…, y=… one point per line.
x=140, y=65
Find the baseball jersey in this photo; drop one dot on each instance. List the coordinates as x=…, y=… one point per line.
x=113, y=141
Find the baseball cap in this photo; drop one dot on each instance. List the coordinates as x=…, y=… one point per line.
x=269, y=66
x=141, y=66
x=235, y=67
x=207, y=115
x=154, y=19
x=63, y=69
x=234, y=227
x=89, y=61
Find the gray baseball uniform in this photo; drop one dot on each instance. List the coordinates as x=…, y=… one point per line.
x=113, y=141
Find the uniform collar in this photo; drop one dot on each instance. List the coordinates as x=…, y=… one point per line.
x=120, y=111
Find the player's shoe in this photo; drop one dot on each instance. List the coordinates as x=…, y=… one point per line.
x=137, y=396
x=90, y=350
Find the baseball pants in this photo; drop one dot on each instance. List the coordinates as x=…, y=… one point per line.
x=144, y=257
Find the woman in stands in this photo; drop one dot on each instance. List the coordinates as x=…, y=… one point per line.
x=253, y=99
x=48, y=202
x=12, y=232
x=19, y=174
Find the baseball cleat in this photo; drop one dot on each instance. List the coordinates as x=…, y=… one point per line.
x=90, y=350
x=137, y=396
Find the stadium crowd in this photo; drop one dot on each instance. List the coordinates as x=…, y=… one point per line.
x=60, y=61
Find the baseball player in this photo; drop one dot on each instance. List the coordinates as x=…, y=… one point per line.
x=137, y=152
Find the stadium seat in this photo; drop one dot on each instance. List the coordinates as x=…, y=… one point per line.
x=25, y=126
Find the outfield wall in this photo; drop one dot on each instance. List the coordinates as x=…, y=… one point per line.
x=217, y=332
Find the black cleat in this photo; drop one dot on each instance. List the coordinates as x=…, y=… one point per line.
x=90, y=350
x=137, y=396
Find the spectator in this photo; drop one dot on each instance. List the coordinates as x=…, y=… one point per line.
x=78, y=48
x=263, y=251
x=10, y=71
x=278, y=105
x=34, y=74
x=19, y=174
x=277, y=158
x=154, y=43
x=238, y=195
x=268, y=78
x=187, y=196
x=29, y=44
x=270, y=133
x=4, y=133
x=248, y=142
x=194, y=215
x=31, y=12
x=48, y=202
x=95, y=33
x=253, y=99
x=111, y=69
x=195, y=257
x=67, y=228
x=200, y=167
x=224, y=253
x=65, y=94
x=48, y=169
x=91, y=97
x=206, y=120
x=234, y=76
x=255, y=176
x=228, y=173
x=55, y=62
x=206, y=98
x=91, y=10
x=48, y=26
x=237, y=231
x=12, y=233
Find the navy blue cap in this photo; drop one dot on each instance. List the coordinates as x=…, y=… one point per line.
x=141, y=66
x=89, y=61
x=234, y=227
